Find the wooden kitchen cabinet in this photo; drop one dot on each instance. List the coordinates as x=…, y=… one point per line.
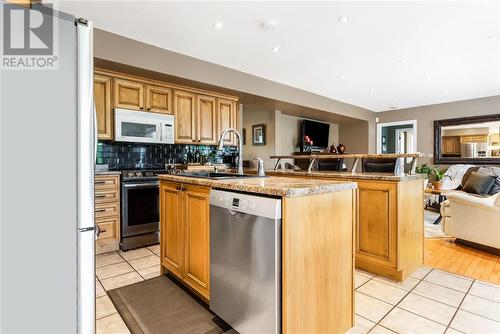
x=159, y=99
x=389, y=228
x=206, y=120
x=171, y=229
x=185, y=117
x=197, y=238
x=451, y=145
x=474, y=139
x=107, y=212
x=128, y=94
x=102, y=100
x=226, y=110
x=377, y=222
x=185, y=234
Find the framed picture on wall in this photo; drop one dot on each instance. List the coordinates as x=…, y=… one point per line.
x=259, y=134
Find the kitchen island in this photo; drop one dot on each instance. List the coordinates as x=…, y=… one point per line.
x=389, y=226
x=317, y=240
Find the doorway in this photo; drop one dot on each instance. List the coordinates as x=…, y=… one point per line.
x=397, y=137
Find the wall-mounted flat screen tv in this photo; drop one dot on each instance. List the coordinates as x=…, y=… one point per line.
x=318, y=132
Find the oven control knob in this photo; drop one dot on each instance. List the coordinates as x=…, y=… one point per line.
x=130, y=174
x=138, y=173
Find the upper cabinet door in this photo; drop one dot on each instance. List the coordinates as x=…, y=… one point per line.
x=159, y=99
x=185, y=115
x=227, y=119
x=207, y=120
x=102, y=99
x=128, y=94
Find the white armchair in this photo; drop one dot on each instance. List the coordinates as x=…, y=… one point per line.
x=474, y=219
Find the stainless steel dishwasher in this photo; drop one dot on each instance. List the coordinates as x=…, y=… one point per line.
x=245, y=261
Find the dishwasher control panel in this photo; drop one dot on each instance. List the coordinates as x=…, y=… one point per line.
x=251, y=204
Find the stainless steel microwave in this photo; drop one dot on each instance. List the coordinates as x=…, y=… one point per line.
x=143, y=127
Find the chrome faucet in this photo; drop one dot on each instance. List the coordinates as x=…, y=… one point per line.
x=260, y=167
x=240, y=147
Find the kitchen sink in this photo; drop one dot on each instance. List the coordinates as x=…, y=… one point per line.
x=217, y=175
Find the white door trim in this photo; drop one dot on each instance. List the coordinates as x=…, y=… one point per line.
x=381, y=125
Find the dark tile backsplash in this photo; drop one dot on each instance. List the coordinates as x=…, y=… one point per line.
x=120, y=155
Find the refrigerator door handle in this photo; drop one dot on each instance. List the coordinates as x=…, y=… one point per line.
x=94, y=115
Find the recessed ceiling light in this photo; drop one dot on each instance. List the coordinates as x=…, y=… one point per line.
x=428, y=77
x=218, y=25
x=341, y=77
x=394, y=99
x=445, y=90
x=276, y=49
x=343, y=19
x=402, y=61
x=372, y=89
x=269, y=25
x=492, y=37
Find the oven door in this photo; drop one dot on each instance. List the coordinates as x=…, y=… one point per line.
x=140, y=208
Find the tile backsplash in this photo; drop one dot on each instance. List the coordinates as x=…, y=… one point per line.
x=118, y=155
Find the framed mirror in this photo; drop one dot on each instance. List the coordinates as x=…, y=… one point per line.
x=469, y=140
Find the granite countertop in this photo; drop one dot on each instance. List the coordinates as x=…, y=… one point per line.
x=347, y=175
x=326, y=155
x=107, y=172
x=273, y=186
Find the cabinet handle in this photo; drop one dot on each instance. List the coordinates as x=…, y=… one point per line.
x=183, y=189
x=149, y=109
x=100, y=195
x=100, y=210
x=102, y=231
x=194, y=141
x=100, y=182
x=178, y=188
x=141, y=108
x=199, y=140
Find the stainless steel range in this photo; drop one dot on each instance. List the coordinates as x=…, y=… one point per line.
x=140, y=213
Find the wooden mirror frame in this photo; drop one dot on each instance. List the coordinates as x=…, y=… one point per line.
x=438, y=159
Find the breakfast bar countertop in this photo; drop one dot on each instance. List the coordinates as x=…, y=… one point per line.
x=346, y=175
x=270, y=185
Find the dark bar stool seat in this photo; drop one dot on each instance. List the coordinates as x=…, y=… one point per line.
x=379, y=165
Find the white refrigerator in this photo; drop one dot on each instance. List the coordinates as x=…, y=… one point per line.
x=47, y=233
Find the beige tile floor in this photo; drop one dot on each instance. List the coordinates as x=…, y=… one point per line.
x=430, y=301
x=116, y=269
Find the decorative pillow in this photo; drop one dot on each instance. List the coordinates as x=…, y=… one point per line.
x=467, y=174
x=495, y=172
x=479, y=183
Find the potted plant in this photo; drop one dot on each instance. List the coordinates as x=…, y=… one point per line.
x=439, y=175
x=426, y=170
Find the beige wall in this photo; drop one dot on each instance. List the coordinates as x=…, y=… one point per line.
x=426, y=116
x=253, y=115
x=289, y=131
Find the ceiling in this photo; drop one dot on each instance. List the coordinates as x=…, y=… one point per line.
x=376, y=55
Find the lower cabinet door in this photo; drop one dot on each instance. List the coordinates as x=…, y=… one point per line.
x=171, y=228
x=376, y=239
x=197, y=239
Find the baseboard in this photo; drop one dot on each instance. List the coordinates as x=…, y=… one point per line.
x=484, y=248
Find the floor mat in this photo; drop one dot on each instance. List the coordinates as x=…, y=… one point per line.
x=159, y=306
